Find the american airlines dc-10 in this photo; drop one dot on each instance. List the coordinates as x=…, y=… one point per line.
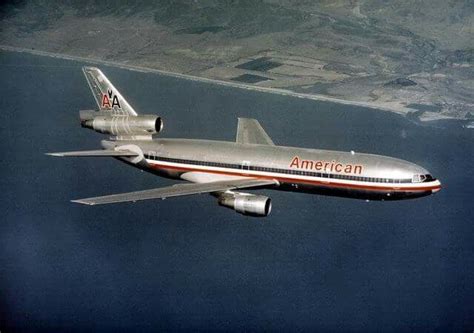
x=253, y=161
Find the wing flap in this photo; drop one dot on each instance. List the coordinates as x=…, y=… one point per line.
x=249, y=131
x=95, y=153
x=177, y=190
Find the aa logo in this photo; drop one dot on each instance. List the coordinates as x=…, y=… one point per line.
x=110, y=100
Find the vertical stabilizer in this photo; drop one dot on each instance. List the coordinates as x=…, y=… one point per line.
x=108, y=98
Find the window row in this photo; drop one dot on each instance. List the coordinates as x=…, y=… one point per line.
x=281, y=171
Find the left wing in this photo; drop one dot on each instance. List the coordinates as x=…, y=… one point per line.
x=178, y=190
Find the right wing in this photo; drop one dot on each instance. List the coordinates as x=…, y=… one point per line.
x=250, y=131
x=178, y=190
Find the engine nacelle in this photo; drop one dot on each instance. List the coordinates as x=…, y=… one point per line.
x=121, y=124
x=246, y=204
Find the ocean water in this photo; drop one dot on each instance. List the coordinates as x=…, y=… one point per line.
x=316, y=263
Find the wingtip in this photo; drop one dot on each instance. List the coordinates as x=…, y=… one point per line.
x=54, y=154
x=248, y=120
x=82, y=202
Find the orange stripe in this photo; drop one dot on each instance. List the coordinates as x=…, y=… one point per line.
x=300, y=181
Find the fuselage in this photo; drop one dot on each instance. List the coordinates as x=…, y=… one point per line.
x=223, y=169
x=345, y=174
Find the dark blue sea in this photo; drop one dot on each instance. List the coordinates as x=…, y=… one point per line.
x=316, y=263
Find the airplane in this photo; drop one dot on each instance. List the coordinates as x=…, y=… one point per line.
x=223, y=169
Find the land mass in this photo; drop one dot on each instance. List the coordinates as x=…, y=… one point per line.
x=416, y=59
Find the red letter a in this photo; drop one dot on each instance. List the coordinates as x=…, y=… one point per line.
x=105, y=102
x=295, y=162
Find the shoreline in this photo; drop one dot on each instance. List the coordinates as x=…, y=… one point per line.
x=285, y=92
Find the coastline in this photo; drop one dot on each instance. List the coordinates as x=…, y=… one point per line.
x=403, y=111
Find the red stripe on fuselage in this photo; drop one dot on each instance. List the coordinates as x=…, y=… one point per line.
x=296, y=180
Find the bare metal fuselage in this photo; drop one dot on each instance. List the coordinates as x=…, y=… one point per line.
x=223, y=169
x=345, y=174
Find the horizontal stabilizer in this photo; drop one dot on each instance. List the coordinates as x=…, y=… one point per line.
x=249, y=131
x=178, y=190
x=95, y=153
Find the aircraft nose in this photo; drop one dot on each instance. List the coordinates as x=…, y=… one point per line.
x=436, y=186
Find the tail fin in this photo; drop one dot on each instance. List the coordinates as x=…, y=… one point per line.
x=108, y=98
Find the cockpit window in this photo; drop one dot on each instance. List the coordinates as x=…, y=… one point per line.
x=428, y=178
x=422, y=178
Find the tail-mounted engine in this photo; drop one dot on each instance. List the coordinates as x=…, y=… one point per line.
x=121, y=125
x=246, y=204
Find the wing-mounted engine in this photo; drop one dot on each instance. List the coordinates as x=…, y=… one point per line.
x=245, y=203
x=122, y=126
